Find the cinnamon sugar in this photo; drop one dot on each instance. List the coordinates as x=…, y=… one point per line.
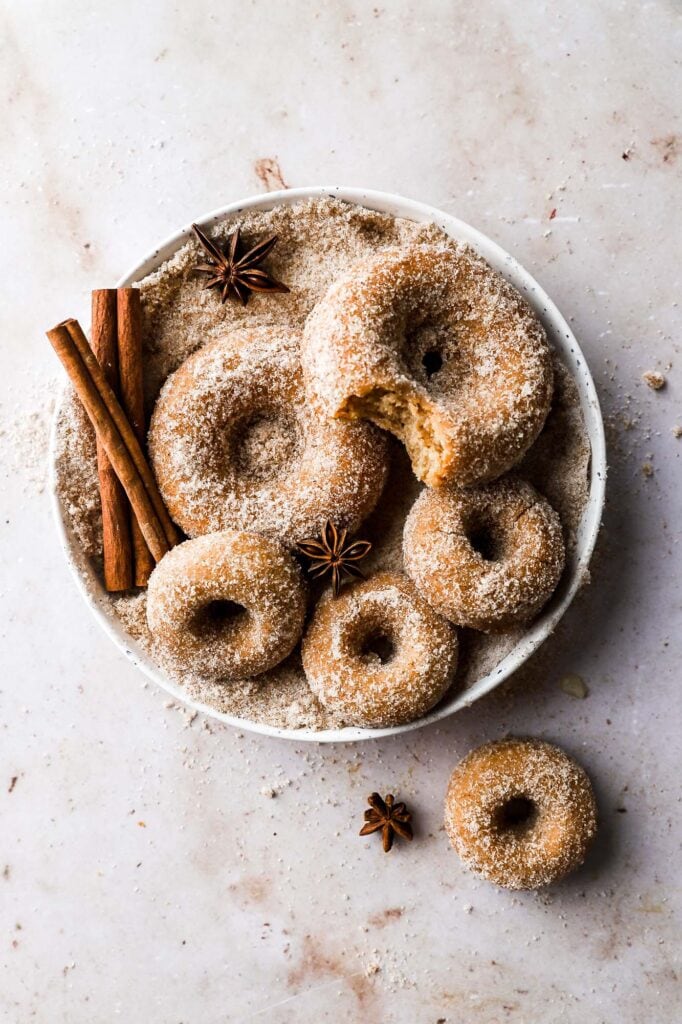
x=214, y=474
x=318, y=240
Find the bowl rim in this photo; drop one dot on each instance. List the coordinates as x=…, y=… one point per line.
x=561, y=337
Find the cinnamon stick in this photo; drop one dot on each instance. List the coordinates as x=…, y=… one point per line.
x=129, y=318
x=116, y=435
x=130, y=442
x=116, y=536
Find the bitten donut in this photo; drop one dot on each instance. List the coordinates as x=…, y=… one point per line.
x=229, y=605
x=234, y=444
x=433, y=345
x=487, y=557
x=378, y=655
x=520, y=813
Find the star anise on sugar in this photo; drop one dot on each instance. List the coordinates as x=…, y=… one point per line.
x=237, y=275
x=330, y=553
x=389, y=817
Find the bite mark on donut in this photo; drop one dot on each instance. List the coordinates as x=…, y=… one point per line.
x=414, y=419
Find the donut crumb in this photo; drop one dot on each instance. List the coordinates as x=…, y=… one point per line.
x=654, y=379
x=574, y=685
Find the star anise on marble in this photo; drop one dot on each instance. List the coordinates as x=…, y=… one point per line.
x=234, y=274
x=389, y=817
x=330, y=553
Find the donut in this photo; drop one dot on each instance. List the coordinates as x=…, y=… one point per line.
x=234, y=444
x=520, y=813
x=228, y=605
x=378, y=654
x=488, y=557
x=430, y=343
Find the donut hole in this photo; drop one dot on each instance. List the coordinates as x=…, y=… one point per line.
x=427, y=350
x=432, y=362
x=264, y=445
x=517, y=814
x=484, y=543
x=374, y=640
x=217, y=617
x=378, y=645
x=485, y=538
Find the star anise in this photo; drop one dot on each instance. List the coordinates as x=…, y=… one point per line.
x=236, y=274
x=388, y=816
x=329, y=553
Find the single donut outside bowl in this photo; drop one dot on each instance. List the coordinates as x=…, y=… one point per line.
x=378, y=655
x=433, y=345
x=520, y=813
x=228, y=605
x=486, y=557
x=234, y=444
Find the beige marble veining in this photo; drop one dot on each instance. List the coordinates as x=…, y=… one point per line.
x=157, y=867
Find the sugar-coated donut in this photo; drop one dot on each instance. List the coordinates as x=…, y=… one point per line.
x=520, y=812
x=432, y=344
x=488, y=557
x=234, y=444
x=378, y=654
x=228, y=605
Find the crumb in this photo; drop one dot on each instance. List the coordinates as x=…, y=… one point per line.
x=655, y=379
x=677, y=430
x=647, y=469
x=574, y=686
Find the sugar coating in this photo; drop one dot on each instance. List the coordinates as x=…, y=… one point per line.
x=552, y=841
x=234, y=444
x=495, y=589
x=255, y=574
x=349, y=678
x=367, y=348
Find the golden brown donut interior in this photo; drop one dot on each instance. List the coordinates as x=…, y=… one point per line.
x=414, y=419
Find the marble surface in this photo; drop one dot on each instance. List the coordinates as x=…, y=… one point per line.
x=157, y=867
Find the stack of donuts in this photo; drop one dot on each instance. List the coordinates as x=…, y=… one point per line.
x=427, y=343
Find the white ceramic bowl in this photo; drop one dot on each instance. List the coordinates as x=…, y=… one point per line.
x=560, y=337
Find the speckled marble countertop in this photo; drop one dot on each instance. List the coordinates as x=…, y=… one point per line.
x=156, y=867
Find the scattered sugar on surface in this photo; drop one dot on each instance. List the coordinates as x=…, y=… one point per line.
x=24, y=435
